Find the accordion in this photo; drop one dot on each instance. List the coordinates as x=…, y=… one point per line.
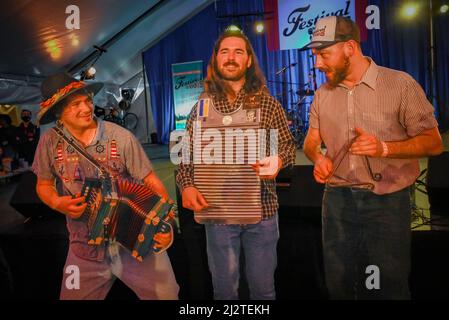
x=128, y=212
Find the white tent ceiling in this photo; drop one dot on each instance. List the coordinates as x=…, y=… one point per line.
x=36, y=42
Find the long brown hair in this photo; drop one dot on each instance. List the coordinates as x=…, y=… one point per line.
x=254, y=78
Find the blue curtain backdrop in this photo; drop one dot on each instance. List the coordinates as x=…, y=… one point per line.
x=441, y=23
x=399, y=44
x=192, y=41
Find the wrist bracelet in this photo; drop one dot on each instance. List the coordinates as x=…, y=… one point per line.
x=384, y=149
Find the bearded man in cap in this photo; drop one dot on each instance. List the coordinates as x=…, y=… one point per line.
x=69, y=102
x=375, y=122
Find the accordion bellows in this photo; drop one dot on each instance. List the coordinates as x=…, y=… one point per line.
x=128, y=212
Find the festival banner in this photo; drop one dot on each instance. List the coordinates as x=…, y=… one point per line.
x=291, y=22
x=187, y=86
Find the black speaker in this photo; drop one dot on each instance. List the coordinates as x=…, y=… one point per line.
x=430, y=265
x=25, y=199
x=35, y=252
x=296, y=187
x=299, y=246
x=299, y=195
x=438, y=184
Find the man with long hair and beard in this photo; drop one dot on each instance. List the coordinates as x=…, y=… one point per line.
x=233, y=78
x=375, y=123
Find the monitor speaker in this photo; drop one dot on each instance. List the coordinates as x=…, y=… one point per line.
x=438, y=184
x=25, y=199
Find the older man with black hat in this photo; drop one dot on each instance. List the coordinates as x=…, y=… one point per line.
x=69, y=102
x=375, y=122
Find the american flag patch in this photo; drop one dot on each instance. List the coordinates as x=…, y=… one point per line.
x=203, y=108
x=59, y=155
x=113, y=149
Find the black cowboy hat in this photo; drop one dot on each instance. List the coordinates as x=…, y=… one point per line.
x=55, y=89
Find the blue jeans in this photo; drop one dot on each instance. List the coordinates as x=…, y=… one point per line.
x=361, y=229
x=259, y=246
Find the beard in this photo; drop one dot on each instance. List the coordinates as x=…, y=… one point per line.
x=233, y=76
x=339, y=73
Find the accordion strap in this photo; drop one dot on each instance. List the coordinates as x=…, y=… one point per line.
x=58, y=129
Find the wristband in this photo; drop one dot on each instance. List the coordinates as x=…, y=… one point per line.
x=384, y=149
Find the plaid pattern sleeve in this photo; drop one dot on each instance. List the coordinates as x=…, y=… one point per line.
x=273, y=117
x=286, y=142
x=184, y=178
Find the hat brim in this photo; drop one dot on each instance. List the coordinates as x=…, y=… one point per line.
x=48, y=115
x=319, y=45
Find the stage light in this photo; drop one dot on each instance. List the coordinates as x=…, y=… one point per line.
x=127, y=94
x=444, y=8
x=233, y=28
x=55, y=54
x=259, y=27
x=88, y=74
x=74, y=41
x=124, y=105
x=91, y=72
x=409, y=10
x=53, y=48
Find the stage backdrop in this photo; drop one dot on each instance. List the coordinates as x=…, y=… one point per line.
x=187, y=86
x=295, y=20
x=398, y=43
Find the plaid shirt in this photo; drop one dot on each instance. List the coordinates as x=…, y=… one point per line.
x=272, y=117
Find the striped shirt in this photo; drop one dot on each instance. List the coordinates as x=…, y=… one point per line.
x=272, y=117
x=387, y=103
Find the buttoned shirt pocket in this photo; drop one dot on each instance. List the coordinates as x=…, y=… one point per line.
x=378, y=124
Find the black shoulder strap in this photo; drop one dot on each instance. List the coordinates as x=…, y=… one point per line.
x=103, y=171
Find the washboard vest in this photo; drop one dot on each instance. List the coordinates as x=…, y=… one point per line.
x=231, y=187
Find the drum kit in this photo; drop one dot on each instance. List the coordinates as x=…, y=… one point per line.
x=298, y=117
x=298, y=111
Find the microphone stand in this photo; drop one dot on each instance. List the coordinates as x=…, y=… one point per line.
x=289, y=99
x=314, y=74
